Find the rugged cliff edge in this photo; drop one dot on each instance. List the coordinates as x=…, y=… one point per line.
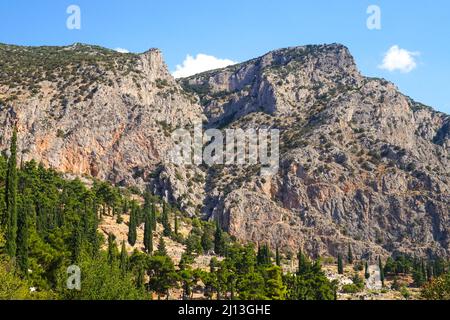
x=92, y=111
x=361, y=164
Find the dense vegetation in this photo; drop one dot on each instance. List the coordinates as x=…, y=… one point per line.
x=23, y=69
x=49, y=223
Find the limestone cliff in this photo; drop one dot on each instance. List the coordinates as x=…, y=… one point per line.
x=361, y=163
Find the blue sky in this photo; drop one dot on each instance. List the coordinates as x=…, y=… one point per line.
x=242, y=29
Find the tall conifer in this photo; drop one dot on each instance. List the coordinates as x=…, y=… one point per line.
x=340, y=264
x=132, y=233
x=165, y=221
x=11, y=199
x=22, y=234
x=277, y=257
x=380, y=265
x=123, y=258
x=148, y=232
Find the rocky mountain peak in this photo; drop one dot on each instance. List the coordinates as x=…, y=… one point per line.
x=361, y=164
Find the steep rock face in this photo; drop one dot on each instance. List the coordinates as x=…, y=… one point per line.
x=279, y=82
x=361, y=163
x=91, y=111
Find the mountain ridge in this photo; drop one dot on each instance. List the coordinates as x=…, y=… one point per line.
x=361, y=163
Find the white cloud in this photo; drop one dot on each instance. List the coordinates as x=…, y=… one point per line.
x=121, y=50
x=201, y=63
x=398, y=59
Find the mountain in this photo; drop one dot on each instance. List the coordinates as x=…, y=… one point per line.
x=92, y=111
x=361, y=164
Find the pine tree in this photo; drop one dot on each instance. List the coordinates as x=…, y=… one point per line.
x=366, y=271
x=119, y=219
x=148, y=233
x=22, y=234
x=274, y=288
x=277, y=257
x=165, y=221
x=162, y=251
x=380, y=265
x=340, y=264
x=11, y=199
x=123, y=258
x=132, y=233
x=350, y=255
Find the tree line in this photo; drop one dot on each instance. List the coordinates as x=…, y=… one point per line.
x=48, y=223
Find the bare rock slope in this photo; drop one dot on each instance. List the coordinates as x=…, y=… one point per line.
x=92, y=111
x=361, y=163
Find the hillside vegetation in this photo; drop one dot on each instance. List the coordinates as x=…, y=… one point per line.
x=49, y=223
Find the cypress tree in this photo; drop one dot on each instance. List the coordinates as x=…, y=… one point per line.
x=41, y=220
x=429, y=272
x=267, y=255
x=340, y=264
x=22, y=234
x=132, y=233
x=350, y=255
x=140, y=277
x=125, y=206
x=423, y=269
x=165, y=221
x=85, y=221
x=93, y=236
x=123, y=258
x=259, y=255
x=302, y=262
x=147, y=207
x=148, y=233
x=380, y=265
x=219, y=246
x=176, y=224
x=111, y=249
x=11, y=199
x=153, y=215
x=263, y=255
x=277, y=257
x=366, y=271
x=59, y=216
x=76, y=243
x=139, y=217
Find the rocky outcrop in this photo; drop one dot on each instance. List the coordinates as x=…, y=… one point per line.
x=361, y=164
x=92, y=111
